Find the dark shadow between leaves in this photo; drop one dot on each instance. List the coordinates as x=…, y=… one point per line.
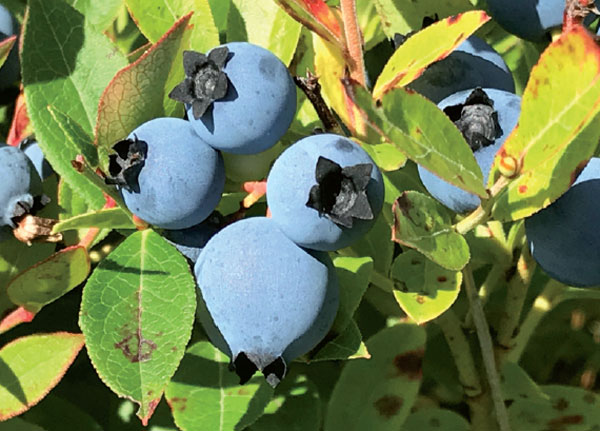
x=111, y=265
x=10, y=381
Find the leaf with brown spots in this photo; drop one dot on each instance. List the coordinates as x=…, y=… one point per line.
x=424, y=290
x=422, y=223
x=558, y=129
x=559, y=408
x=377, y=394
x=137, y=313
x=431, y=44
x=433, y=419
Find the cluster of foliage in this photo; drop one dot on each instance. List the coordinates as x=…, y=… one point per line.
x=443, y=317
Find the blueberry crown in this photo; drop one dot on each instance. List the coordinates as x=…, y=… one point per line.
x=125, y=165
x=340, y=193
x=204, y=82
x=476, y=119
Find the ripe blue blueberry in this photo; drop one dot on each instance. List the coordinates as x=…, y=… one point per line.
x=485, y=120
x=240, y=98
x=168, y=176
x=19, y=184
x=564, y=237
x=528, y=19
x=324, y=192
x=192, y=240
x=472, y=64
x=268, y=300
x=32, y=150
x=9, y=72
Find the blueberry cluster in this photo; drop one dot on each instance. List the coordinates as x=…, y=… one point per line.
x=269, y=288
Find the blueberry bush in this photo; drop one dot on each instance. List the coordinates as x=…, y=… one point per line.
x=316, y=215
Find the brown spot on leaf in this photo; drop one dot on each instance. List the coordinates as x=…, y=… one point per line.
x=136, y=348
x=453, y=19
x=151, y=407
x=177, y=403
x=561, y=404
x=420, y=299
x=565, y=420
x=589, y=398
x=410, y=364
x=442, y=279
x=388, y=406
x=522, y=188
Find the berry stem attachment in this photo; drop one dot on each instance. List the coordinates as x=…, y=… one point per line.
x=353, y=41
x=487, y=348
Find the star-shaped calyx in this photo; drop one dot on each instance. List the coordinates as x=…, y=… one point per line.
x=125, y=165
x=204, y=82
x=340, y=193
x=476, y=119
x=246, y=364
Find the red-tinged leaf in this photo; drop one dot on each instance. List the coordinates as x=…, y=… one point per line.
x=20, y=127
x=50, y=279
x=5, y=47
x=255, y=190
x=431, y=44
x=139, y=91
x=31, y=366
x=558, y=129
x=14, y=318
x=317, y=16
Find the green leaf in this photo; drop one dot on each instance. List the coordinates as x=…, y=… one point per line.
x=220, y=12
x=5, y=47
x=50, y=279
x=139, y=92
x=369, y=23
x=426, y=289
x=79, y=140
x=136, y=314
x=418, y=128
x=99, y=14
x=156, y=17
x=109, y=218
x=387, y=156
x=18, y=424
x=517, y=385
x=53, y=412
x=431, y=44
x=403, y=17
x=266, y=24
x=295, y=407
x=424, y=224
x=204, y=394
x=67, y=64
x=344, y=345
x=31, y=366
x=565, y=408
x=353, y=274
x=558, y=129
x=378, y=393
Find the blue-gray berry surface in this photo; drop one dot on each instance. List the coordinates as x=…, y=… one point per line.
x=351, y=198
x=268, y=299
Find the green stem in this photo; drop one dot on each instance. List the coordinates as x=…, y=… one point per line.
x=469, y=223
x=487, y=287
x=545, y=302
x=487, y=349
x=515, y=299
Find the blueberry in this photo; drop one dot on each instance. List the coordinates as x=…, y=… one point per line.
x=472, y=64
x=324, y=192
x=192, y=240
x=19, y=184
x=240, y=98
x=269, y=300
x=32, y=150
x=528, y=19
x=9, y=72
x=496, y=121
x=564, y=237
x=168, y=176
